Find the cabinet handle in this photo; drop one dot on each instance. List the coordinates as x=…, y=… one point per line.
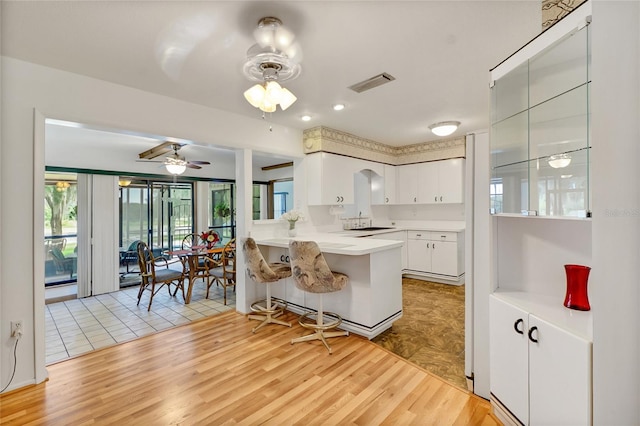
x=287, y=259
x=433, y=246
x=282, y=258
x=386, y=200
x=516, y=324
x=441, y=198
x=427, y=245
x=337, y=199
x=341, y=198
x=418, y=235
x=531, y=330
x=435, y=198
x=415, y=199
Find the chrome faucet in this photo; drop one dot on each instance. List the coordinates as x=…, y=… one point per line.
x=360, y=220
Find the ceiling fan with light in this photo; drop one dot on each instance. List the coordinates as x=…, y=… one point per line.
x=174, y=162
x=274, y=58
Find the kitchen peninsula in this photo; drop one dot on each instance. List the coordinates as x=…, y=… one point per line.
x=371, y=301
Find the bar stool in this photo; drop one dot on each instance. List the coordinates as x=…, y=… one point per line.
x=312, y=274
x=262, y=272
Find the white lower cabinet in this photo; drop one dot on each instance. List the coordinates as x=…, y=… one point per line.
x=540, y=373
x=438, y=253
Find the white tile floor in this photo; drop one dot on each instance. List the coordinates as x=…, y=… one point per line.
x=77, y=326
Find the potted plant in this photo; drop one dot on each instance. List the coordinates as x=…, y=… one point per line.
x=222, y=210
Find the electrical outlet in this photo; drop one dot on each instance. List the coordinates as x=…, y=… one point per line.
x=16, y=328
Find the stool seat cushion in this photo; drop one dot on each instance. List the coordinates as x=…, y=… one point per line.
x=258, y=269
x=310, y=270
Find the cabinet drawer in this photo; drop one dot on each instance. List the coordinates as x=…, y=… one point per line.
x=432, y=235
x=419, y=235
x=444, y=236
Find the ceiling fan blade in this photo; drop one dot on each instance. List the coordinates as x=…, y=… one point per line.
x=200, y=162
x=149, y=161
x=193, y=166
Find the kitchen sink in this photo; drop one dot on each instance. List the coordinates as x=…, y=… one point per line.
x=372, y=228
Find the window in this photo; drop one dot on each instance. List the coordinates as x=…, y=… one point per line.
x=60, y=228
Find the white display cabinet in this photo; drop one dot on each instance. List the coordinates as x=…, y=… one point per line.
x=540, y=137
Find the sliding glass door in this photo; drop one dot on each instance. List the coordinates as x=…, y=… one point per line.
x=171, y=213
x=157, y=213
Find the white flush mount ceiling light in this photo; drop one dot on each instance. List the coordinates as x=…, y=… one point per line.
x=444, y=128
x=274, y=58
x=559, y=161
x=305, y=118
x=338, y=107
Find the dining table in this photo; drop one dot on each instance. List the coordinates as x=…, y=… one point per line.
x=191, y=256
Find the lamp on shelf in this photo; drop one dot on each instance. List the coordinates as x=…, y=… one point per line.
x=559, y=161
x=274, y=58
x=124, y=182
x=444, y=128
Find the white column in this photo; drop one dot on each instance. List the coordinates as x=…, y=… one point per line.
x=202, y=206
x=245, y=289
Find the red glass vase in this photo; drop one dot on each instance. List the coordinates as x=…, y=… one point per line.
x=577, y=296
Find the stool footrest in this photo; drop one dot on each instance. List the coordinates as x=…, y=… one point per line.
x=305, y=321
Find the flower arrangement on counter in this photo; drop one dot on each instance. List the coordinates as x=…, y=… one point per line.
x=210, y=238
x=292, y=216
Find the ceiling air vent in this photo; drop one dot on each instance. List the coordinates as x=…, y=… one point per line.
x=372, y=82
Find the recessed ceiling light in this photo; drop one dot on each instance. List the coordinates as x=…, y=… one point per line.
x=305, y=118
x=338, y=107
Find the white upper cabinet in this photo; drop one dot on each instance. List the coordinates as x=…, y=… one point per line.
x=330, y=178
x=407, y=184
x=383, y=187
x=435, y=182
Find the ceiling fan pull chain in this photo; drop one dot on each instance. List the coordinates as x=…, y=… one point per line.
x=264, y=117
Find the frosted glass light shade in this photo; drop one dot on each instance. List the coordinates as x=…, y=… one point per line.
x=267, y=97
x=559, y=161
x=176, y=169
x=444, y=128
x=286, y=99
x=255, y=95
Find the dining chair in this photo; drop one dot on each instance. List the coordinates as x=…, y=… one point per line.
x=311, y=274
x=260, y=271
x=225, y=273
x=205, y=263
x=154, y=274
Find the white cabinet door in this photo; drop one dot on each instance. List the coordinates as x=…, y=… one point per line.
x=508, y=357
x=329, y=179
x=444, y=257
x=428, y=182
x=418, y=255
x=451, y=181
x=407, y=184
x=337, y=179
x=559, y=376
x=389, y=184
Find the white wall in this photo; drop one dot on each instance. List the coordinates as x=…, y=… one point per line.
x=615, y=98
x=67, y=96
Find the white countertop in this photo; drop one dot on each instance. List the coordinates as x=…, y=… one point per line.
x=336, y=244
x=438, y=226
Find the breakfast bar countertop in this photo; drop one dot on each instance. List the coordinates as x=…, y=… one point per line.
x=336, y=244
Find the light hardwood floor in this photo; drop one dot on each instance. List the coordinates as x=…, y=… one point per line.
x=215, y=371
